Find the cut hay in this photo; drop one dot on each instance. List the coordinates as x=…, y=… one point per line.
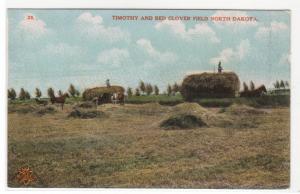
x=84, y=114
x=210, y=85
x=192, y=108
x=183, y=121
x=148, y=109
x=86, y=105
x=45, y=110
x=22, y=108
x=89, y=94
x=241, y=109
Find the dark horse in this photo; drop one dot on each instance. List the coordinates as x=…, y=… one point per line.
x=254, y=93
x=59, y=100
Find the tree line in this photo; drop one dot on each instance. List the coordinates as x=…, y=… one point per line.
x=277, y=85
x=25, y=95
x=281, y=84
x=149, y=89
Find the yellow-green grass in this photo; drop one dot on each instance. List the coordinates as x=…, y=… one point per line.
x=128, y=148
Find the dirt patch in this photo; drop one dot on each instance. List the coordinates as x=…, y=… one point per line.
x=183, y=121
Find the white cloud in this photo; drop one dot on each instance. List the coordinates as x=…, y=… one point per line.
x=164, y=57
x=234, y=25
x=92, y=26
x=275, y=27
x=33, y=25
x=198, y=31
x=228, y=55
x=115, y=57
x=62, y=49
x=89, y=18
x=285, y=59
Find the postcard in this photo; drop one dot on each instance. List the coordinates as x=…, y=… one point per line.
x=148, y=98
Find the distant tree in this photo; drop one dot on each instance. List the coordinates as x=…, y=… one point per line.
x=22, y=94
x=77, y=93
x=137, y=92
x=27, y=95
x=72, y=90
x=169, y=90
x=149, y=89
x=129, y=92
x=60, y=93
x=156, y=90
x=287, y=85
x=38, y=93
x=50, y=92
x=142, y=87
x=12, y=94
x=282, y=85
x=276, y=84
x=245, y=86
x=252, y=86
x=175, y=88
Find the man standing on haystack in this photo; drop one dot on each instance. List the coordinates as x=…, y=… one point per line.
x=220, y=68
x=107, y=83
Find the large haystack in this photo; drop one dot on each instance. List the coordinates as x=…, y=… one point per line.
x=210, y=85
x=89, y=94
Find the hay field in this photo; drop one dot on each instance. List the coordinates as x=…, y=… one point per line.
x=126, y=146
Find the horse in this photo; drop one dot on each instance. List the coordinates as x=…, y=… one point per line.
x=118, y=98
x=60, y=100
x=41, y=102
x=261, y=90
x=254, y=93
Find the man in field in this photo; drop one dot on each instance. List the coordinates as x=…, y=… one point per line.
x=220, y=68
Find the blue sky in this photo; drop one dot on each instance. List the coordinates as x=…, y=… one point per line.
x=85, y=47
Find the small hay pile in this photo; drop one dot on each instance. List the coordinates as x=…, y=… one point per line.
x=185, y=116
x=210, y=85
x=45, y=110
x=86, y=105
x=191, y=108
x=87, y=114
x=89, y=94
x=241, y=109
x=183, y=121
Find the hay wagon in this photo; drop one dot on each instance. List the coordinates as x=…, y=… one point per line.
x=91, y=93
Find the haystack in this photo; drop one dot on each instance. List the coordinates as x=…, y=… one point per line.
x=89, y=94
x=210, y=85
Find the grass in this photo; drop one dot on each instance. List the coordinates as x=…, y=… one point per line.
x=162, y=99
x=264, y=101
x=130, y=149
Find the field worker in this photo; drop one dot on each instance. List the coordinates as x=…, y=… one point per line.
x=107, y=83
x=220, y=67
